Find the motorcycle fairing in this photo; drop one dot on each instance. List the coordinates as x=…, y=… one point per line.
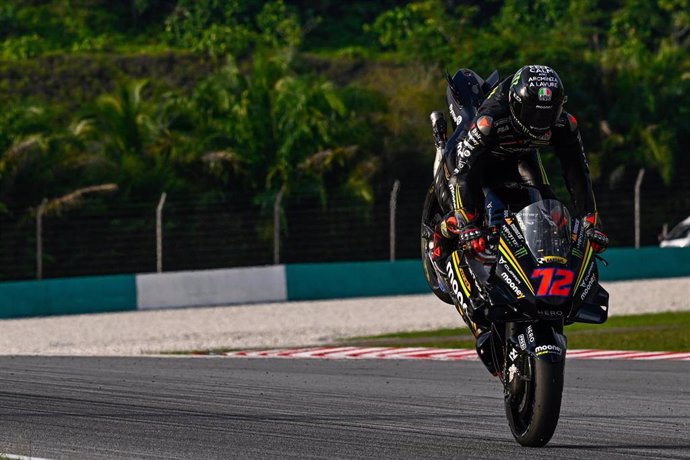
x=463, y=287
x=590, y=301
x=595, y=310
x=512, y=260
x=516, y=290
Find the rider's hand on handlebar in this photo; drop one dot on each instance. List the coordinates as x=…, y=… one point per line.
x=597, y=238
x=472, y=239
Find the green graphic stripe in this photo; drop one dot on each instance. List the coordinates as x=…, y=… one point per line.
x=503, y=249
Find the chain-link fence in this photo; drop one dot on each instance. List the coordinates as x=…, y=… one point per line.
x=105, y=238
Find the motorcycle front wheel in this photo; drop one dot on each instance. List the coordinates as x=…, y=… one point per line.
x=533, y=400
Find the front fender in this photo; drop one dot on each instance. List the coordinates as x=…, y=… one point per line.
x=541, y=340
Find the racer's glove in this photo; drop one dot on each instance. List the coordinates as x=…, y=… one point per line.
x=597, y=238
x=472, y=239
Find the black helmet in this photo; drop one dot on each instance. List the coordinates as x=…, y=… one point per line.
x=536, y=98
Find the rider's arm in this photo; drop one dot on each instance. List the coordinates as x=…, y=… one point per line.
x=469, y=151
x=571, y=153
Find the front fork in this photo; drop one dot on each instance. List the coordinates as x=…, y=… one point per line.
x=540, y=340
x=503, y=349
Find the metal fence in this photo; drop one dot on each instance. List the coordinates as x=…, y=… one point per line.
x=180, y=233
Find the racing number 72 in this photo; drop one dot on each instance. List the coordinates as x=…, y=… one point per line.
x=556, y=282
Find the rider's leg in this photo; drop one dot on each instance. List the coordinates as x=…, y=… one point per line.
x=495, y=213
x=532, y=173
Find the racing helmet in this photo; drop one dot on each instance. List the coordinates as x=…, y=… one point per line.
x=536, y=97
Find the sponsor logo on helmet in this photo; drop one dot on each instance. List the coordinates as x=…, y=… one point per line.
x=540, y=69
x=543, y=81
x=544, y=94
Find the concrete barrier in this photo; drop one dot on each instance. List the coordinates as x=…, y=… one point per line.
x=211, y=287
x=277, y=283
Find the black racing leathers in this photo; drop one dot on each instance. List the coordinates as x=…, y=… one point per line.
x=495, y=152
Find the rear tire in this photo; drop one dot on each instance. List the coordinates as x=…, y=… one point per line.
x=533, y=406
x=431, y=208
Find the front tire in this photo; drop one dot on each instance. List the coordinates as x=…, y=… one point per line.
x=533, y=401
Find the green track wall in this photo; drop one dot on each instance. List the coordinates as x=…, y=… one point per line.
x=354, y=279
x=361, y=279
x=648, y=262
x=92, y=294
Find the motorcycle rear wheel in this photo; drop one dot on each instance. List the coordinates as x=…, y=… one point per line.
x=533, y=401
x=431, y=208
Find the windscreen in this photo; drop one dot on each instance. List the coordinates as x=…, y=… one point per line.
x=547, y=229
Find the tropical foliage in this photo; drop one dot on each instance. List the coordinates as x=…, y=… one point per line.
x=215, y=98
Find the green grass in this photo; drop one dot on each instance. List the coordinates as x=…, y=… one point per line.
x=649, y=332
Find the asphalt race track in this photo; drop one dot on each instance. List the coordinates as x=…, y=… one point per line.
x=78, y=407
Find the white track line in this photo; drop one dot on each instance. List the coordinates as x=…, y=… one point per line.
x=19, y=457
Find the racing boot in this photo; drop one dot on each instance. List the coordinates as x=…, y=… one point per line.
x=444, y=242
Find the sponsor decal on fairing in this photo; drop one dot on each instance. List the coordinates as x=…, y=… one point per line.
x=512, y=285
x=455, y=286
x=456, y=118
x=587, y=284
x=546, y=349
x=530, y=334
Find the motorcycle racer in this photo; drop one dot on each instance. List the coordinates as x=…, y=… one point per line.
x=522, y=114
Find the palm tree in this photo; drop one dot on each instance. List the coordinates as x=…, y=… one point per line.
x=119, y=122
x=36, y=157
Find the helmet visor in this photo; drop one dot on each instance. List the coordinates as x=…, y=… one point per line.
x=538, y=117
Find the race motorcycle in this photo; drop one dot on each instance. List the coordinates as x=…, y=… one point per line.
x=517, y=296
